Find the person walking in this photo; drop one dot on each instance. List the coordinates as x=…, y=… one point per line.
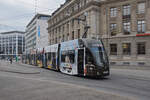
x=11, y=60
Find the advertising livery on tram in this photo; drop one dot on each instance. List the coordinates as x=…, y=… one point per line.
x=84, y=57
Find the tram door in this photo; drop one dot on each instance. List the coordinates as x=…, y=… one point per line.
x=80, y=61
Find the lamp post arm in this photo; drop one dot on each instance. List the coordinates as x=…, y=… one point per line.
x=86, y=27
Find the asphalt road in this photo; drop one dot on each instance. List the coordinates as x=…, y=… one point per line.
x=25, y=82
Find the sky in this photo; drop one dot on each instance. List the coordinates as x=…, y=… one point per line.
x=16, y=14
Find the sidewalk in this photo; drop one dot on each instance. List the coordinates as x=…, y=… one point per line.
x=15, y=67
x=130, y=67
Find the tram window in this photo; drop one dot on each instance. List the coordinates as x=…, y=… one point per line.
x=68, y=56
x=49, y=56
x=89, y=57
x=63, y=58
x=53, y=55
x=71, y=57
x=39, y=57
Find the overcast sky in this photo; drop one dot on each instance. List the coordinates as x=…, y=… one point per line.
x=16, y=14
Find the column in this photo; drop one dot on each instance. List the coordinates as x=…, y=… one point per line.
x=16, y=45
x=119, y=20
x=93, y=23
x=147, y=16
x=133, y=18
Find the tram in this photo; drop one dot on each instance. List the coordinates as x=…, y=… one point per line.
x=84, y=57
x=52, y=57
x=40, y=58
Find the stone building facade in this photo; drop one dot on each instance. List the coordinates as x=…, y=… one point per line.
x=63, y=27
x=123, y=25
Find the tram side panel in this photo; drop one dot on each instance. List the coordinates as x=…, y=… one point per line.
x=52, y=57
x=39, y=60
x=84, y=57
x=68, y=57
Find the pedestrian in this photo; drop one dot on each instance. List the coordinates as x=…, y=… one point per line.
x=11, y=60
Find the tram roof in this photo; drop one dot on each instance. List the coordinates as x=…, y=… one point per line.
x=52, y=48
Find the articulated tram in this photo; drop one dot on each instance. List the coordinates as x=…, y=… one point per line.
x=85, y=57
x=52, y=57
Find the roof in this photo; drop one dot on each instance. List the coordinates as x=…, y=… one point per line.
x=37, y=16
x=62, y=5
x=10, y=32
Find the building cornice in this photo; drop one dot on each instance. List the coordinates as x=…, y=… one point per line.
x=63, y=7
x=10, y=32
x=90, y=5
x=114, y=1
x=36, y=16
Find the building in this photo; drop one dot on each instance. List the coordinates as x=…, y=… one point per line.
x=126, y=31
x=63, y=27
x=123, y=25
x=12, y=44
x=36, y=32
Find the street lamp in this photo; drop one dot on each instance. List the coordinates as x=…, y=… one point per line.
x=86, y=27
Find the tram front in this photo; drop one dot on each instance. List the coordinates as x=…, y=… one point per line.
x=96, y=59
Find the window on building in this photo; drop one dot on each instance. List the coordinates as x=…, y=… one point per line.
x=78, y=5
x=113, y=49
x=126, y=48
x=72, y=35
x=50, y=42
x=56, y=40
x=141, y=48
x=78, y=22
x=68, y=36
x=141, y=26
x=56, y=30
x=126, y=28
x=85, y=1
x=141, y=8
x=73, y=7
x=68, y=26
x=72, y=23
x=113, y=28
x=59, y=39
x=78, y=33
x=82, y=3
x=148, y=3
x=63, y=38
x=113, y=12
x=126, y=10
x=59, y=28
x=63, y=28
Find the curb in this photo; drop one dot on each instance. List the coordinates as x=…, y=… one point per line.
x=130, y=67
x=19, y=72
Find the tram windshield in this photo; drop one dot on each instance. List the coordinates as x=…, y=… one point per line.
x=98, y=52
